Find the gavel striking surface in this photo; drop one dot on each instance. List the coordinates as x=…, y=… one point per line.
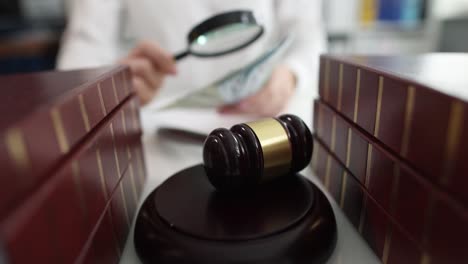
x=185, y=220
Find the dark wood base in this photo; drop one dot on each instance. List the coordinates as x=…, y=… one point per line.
x=185, y=220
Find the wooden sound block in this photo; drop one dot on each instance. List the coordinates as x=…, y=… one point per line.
x=185, y=220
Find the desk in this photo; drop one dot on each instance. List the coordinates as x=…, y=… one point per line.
x=166, y=155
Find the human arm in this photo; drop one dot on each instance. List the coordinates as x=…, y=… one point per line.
x=92, y=39
x=297, y=73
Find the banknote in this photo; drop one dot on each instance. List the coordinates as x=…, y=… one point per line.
x=239, y=83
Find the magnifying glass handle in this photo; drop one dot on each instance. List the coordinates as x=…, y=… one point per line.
x=181, y=55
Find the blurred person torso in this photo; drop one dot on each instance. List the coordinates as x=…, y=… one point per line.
x=102, y=31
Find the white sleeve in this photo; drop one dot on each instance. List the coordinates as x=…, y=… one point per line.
x=92, y=34
x=304, y=18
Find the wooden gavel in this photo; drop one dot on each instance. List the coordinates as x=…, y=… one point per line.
x=256, y=152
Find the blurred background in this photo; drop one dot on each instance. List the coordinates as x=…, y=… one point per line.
x=30, y=30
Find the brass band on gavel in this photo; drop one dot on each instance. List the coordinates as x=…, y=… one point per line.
x=256, y=152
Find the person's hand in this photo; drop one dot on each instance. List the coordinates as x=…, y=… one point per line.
x=271, y=99
x=149, y=64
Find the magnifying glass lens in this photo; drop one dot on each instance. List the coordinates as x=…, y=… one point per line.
x=225, y=39
x=222, y=34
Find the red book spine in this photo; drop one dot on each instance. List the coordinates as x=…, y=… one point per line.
x=421, y=125
x=445, y=231
x=31, y=149
x=399, y=190
x=105, y=245
x=62, y=215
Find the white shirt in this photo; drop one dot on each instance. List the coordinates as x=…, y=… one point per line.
x=100, y=32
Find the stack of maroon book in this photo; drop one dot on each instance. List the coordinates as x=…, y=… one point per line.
x=392, y=149
x=72, y=165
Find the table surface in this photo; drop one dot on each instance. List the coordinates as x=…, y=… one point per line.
x=166, y=154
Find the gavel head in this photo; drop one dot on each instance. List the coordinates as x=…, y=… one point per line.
x=252, y=153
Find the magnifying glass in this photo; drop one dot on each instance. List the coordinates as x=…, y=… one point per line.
x=222, y=34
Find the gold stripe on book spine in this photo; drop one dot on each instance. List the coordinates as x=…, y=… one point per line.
x=320, y=120
x=340, y=87
x=327, y=173
x=16, y=148
x=454, y=134
x=333, y=133
x=315, y=153
x=101, y=99
x=276, y=148
x=115, y=90
x=115, y=150
x=101, y=174
x=356, y=97
x=129, y=156
x=59, y=130
x=327, y=80
x=332, y=148
x=129, y=153
x=409, y=108
x=425, y=258
x=387, y=243
x=124, y=123
x=344, y=181
x=84, y=113
x=379, y=106
x=348, y=147
x=368, y=165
